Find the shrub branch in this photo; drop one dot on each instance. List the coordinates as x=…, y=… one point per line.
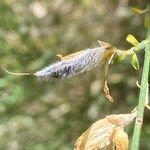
x=142, y=96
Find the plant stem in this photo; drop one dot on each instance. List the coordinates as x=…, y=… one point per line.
x=142, y=96
x=135, y=49
x=140, y=46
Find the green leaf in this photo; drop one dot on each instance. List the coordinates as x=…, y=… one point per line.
x=118, y=59
x=139, y=10
x=135, y=62
x=132, y=40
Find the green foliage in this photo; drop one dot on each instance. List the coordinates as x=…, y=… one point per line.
x=118, y=59
x=135, y=62
x=147, y=22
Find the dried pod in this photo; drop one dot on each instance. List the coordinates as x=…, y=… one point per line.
x=106, y=133
x=76, y=63
x=120, y=139
x=106, y=91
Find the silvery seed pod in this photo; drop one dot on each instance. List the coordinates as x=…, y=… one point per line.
x=77, y=63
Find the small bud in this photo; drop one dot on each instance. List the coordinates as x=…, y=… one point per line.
x=132, y=40
x=134, y=61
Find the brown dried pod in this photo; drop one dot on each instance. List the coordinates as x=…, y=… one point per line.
x=106, y=133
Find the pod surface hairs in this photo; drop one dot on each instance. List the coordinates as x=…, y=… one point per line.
x=76, y=63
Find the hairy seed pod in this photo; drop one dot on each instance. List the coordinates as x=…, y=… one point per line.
x=77, y=63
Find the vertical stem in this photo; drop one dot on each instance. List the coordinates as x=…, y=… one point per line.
x=142, y=96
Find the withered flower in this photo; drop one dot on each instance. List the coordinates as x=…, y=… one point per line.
x=106, y=134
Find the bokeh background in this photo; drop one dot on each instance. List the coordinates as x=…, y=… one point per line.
x=51, y=115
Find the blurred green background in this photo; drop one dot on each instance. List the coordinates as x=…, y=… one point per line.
x=51, y=115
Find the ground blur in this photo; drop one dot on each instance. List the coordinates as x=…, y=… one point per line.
x=50, y=115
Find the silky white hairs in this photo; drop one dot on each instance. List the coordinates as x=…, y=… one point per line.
x=75, y=63
x=85, y=61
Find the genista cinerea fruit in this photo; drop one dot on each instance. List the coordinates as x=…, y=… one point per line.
x=77, y=63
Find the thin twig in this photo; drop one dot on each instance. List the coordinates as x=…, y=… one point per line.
x=142, y=96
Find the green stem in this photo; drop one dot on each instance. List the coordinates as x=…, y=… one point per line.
x=135, y=49
x=142, y=96
x=140, y=46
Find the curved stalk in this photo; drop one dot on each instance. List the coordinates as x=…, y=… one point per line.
x=135, y=49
